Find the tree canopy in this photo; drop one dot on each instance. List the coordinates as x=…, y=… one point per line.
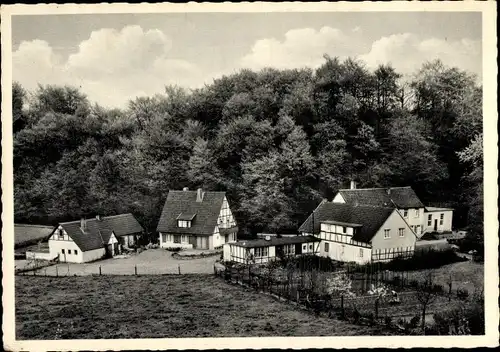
x=277, y=141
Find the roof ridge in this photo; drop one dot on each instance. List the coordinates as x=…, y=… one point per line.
x=94, y=219
x=372, y=188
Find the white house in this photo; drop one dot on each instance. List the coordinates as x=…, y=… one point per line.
x=438, y=219
x=196, y=219
x=262, y=250
x=360, y=233
x=404, y=199
x=91, y=239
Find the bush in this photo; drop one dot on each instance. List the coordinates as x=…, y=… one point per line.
x=462, y=293
x=468, y=320
x=414, y=322
x=388, y=321
x=174, y=249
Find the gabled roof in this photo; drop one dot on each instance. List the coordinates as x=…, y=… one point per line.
x=184, y=202
x=98, y=232
x=29, y=233
x=369, y=217
x=401, y=197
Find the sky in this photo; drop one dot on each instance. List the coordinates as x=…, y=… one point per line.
x=117, y=57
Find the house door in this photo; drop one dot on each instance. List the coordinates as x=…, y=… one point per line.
x=298, y=248
x=192, y=240
x=435, y=225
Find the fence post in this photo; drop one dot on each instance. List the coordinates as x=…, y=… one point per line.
x=179, y=268
x=135, y=269
x=57, y=272
x=376, y=308
x=100, y=272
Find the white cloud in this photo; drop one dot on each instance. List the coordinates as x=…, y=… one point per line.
x=111, y=66
x=300, y=48
x=407, y=52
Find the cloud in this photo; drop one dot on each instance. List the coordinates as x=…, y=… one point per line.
x=300, y=48
x=110, y=66
x=407, y=52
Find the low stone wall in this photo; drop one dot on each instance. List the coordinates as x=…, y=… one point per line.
x=187, y=256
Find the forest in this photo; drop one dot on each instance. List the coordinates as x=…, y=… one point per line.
x=277, y=141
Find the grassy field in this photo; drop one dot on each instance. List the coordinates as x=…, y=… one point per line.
x=464, y=275
x=159, y=306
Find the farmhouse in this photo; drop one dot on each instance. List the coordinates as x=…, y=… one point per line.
x=264, y=249
x=196, y=219
x=360, y=233
x=91, y=239
x=420, y=218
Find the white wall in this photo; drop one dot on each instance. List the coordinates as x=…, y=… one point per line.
x=168, y=241
x=395, y=243
x=447, y=220
x=417, y=221
x=338, y=199
x=39, y=255
x=225, y=219
x=95, y=254
x=345, y=252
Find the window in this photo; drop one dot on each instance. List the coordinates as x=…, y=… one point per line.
x=405, y=213
x=310, y=247
x=417, y=229
x=261, y=252
x=417, y=213
x=69, y=251
x=177, y=239
x=429, y=220
x=387, y=233
x=342, y=250
x=401, y=232
x=344, y=229
x=76, y=252
x=183, y=223
x=441, y=219
x=304, y=247
x=61, y=234
x=327, y=246
x=361, y=252
x=62, y=251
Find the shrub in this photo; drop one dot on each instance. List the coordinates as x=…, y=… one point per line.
x=388, y=321
x=461, y=320
x=437, y=288
x=414, y=321
x=462, y=293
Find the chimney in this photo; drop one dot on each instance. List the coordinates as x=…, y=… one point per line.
x=353, y=184
x=185, y=189
x=268, y=238
x=199, y=195
x=98, y=217
x=388, y=191
x=83, y=224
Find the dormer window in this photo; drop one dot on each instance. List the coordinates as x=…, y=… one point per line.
x=185, y=220
x=183, y=223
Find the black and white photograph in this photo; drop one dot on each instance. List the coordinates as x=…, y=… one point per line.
x=272, y=171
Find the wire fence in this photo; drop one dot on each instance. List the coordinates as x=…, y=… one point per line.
x=65, y=270
x=400, y=311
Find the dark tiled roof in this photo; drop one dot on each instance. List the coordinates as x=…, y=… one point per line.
x=226, y=231
x=180, y=202
x=98, y=232
x=371, y=218
x=275, y=241
x=25, y=234
x=186, y=216
x=402, y=197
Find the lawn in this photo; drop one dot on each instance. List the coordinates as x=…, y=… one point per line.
x=106, y=307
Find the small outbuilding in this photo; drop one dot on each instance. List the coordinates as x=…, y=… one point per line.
x=265, y=249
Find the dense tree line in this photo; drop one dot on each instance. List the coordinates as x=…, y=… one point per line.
x=278, y=141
